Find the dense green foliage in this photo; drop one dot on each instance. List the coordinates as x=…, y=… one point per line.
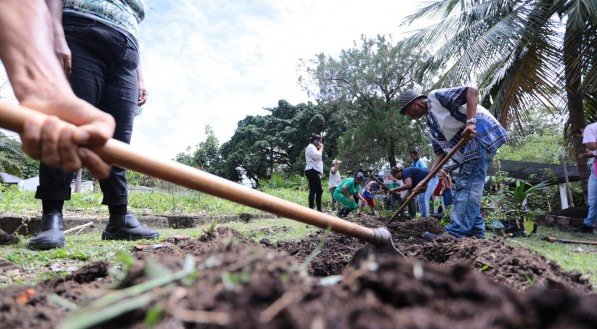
x=13, y=160
x=263, y=145
x=365, y=82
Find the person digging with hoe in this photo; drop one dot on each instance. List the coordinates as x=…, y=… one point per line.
x=454, y=114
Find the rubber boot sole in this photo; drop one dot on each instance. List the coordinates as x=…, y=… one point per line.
x=45, y=244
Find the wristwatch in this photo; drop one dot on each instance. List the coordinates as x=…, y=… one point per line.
x=471, y=120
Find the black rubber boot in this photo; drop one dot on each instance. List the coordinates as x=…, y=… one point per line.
x=51, y=235
x=127, y=227
x=340, y=212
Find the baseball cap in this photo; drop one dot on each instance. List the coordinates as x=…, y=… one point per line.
x=336, y=161
x=408, y=97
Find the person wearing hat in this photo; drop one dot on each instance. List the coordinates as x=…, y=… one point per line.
x=334, y=180
x=345, y=192
x=314, y=170
x=453, y=114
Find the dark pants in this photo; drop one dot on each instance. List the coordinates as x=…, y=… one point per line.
x=104, y=73
x=315, y=189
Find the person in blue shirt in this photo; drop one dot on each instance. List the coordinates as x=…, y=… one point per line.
x=412, y=177
x=423, y=199
x=453, y=114
x=417, y=161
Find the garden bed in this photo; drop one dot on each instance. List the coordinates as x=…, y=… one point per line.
x=241, y=284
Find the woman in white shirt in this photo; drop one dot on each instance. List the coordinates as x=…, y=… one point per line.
x=314, y=169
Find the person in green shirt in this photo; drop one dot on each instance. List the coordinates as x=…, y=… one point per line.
x=346, y=190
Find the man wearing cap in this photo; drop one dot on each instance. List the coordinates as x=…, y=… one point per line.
x=334, y=180
x=345, y=192
x=453, y=114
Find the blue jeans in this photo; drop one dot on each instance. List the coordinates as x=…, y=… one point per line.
x=104, y=73
x=466, y=219
x=447, y=197
x=592, y=198
x=423, y=199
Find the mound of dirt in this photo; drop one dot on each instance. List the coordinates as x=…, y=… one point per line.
x=243, y=285
x=518, y=268
x=331, y=253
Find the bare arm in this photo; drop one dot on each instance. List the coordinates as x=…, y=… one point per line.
x=471, y=111
x=60, y=46
x=39, y=82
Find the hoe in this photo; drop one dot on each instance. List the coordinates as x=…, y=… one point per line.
x=12, y=117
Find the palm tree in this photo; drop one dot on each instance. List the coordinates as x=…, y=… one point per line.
x=520, y=53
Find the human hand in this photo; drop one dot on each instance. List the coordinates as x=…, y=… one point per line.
x=320, y=146
x=469, y=131
x=419, y=188
x=58, y=143
x=142, y=93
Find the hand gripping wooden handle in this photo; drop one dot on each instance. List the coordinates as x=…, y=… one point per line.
x=12, y=117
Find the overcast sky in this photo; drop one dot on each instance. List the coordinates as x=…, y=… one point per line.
x=215, y=62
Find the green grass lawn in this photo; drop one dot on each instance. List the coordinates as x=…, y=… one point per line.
x=88, y=247
x=572, y=257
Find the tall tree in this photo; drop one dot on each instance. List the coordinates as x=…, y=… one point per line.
x=520, y=52
x=262, y=145
x=365, y=81
x=206, y=155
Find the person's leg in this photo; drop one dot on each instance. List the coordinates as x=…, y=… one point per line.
x=426, y=196
x=112, y=87
x=333, y=201
x=467, y=198
x=347, y=202
x=478, y=229
x=371, y=203
x=589, y=222
x=318, y=193
x=412, y=208
x=447, y=198
x=312, y=177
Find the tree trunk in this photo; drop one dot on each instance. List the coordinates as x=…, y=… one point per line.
x=568, y=189
x=392, y=153
x=576, y=117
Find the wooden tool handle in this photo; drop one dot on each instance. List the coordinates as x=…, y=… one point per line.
x=12, y=117
x=427, y=178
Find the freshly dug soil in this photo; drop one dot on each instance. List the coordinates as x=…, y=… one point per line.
x=243, y=285
x=573, y=212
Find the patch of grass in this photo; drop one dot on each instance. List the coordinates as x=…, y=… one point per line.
x=275, y=229
x=176, y=200
x=572, y=257
x=87, y=248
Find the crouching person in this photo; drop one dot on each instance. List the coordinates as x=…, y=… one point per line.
x=346, y=190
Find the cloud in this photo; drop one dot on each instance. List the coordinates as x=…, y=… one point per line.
x=215, y=62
